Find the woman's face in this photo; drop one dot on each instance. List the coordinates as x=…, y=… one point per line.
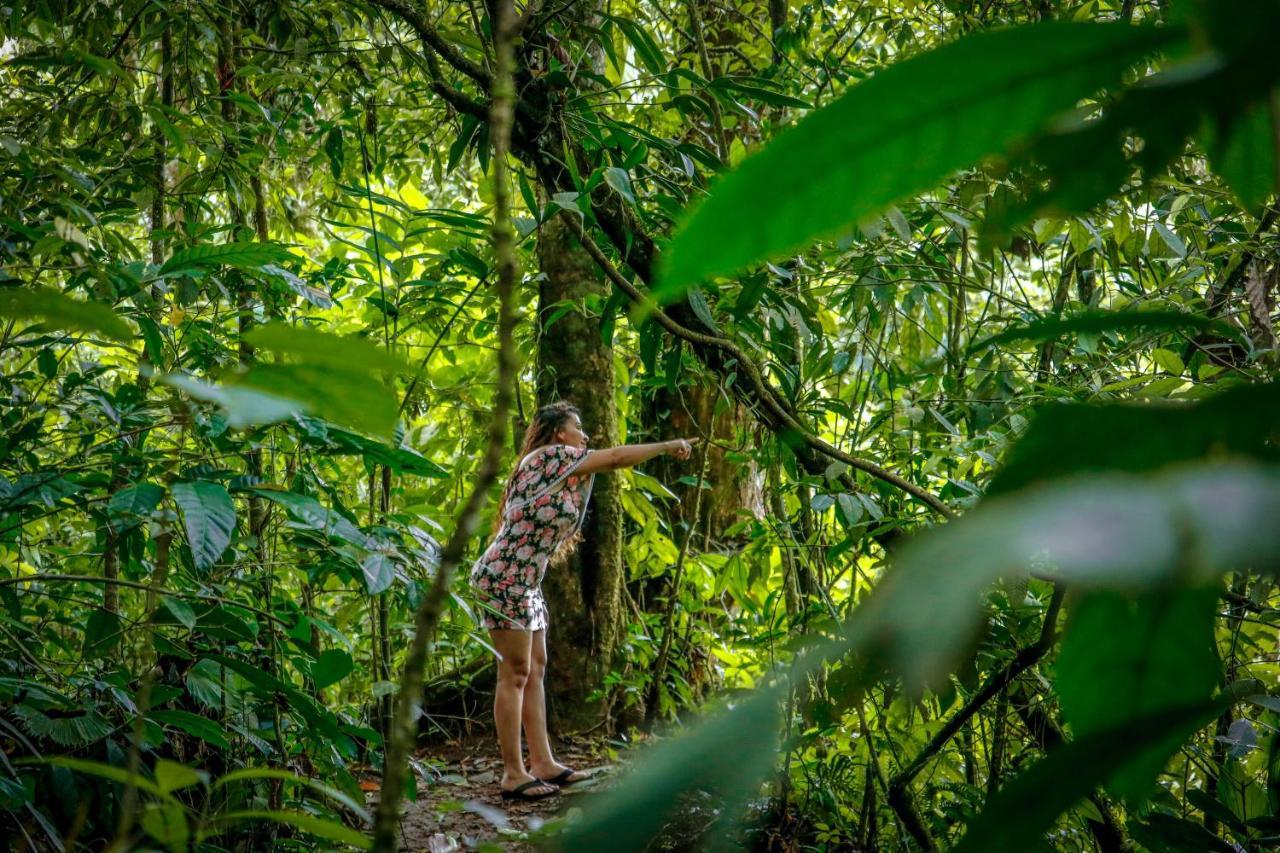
x=571, y=433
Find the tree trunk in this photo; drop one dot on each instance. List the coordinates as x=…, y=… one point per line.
x=584, y=595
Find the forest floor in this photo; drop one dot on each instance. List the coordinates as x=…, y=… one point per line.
x=459, y=806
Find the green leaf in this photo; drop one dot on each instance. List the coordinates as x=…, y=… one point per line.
x=319, y=827
x=180, y=610
x=100, y=770
x=897, y=134
x=209, y=517
x=309, y=346
x=1072, y=438
x=1097, y=322
x=332, y=666
x=244, y=407
x=620, y=181
x=1177, y=833
x=1017, y=817
x=729, y=754
x=351, y=399
x=647, y=50
x=1172, y=240
x=167, y=824
x=101, y=633
x=171, y=776
x=1168, y=361
x=317, y=516
x=1245, y=155
x=130, y=506
x=246, y=255
x=193, y=724
x=62, y=312
x=1130, y=654
x=1111, y=530
x=250, y=773
x=379, y=572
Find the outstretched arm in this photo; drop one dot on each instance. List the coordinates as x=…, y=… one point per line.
x=630, y=455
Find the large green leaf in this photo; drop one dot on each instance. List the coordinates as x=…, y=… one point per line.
x=1096, y=322
x=348, y=398
x=1127, y=654
x=131, y=505
x=1017, y=817
x=209, y=517
x=319, y=827
x=251, y=773
x=312, y=513
x=246, y=255
x=897, y=134
x=1073, y=438
x=244, y=407
x=1112, y=530
x=193, y=724
x=101, y=633
x=62, y=312
x=332, y=666
x=1244, y=152
x=310, y=346
x=729, y=754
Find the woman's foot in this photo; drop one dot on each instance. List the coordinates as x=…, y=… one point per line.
x=526, y=788
x=558, y=774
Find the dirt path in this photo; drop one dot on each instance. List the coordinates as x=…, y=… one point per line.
x=460, y=808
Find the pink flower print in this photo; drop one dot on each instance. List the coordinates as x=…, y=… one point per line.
x=483, y=582
x=547, y=513
x=498, y=566
x=543, y=500
x=524, y=553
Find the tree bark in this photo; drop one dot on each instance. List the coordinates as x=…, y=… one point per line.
x=584, y=595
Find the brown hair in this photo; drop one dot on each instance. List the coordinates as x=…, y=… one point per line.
x=542, y=429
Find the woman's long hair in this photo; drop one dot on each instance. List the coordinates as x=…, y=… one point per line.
x=542, y=429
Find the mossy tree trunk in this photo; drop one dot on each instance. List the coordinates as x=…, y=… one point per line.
x=584, y=595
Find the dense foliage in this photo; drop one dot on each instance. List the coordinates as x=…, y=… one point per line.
x=972, y=302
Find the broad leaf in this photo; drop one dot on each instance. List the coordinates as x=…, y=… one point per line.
x=1017, y=817
x=1244, y=153
x=729, y=754
x=1103, y=531
x=309, y=346
x=130, y=506
x=240, y=255
x=101, y=633
x=332, y=666
x=897, y=134
x=1073, y=438
x=1096, y=322
x=193, y=724
x=209, y=517
x=62, y=312
x=1130, y=654
x=244, y=407
x=319, y=827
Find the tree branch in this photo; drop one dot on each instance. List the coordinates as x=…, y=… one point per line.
x=764, y=394
x=899, y=795
x=430, y=36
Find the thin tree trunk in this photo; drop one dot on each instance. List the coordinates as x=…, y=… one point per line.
x=404, y=722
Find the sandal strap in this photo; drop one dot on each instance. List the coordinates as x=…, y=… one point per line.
x=533, y=783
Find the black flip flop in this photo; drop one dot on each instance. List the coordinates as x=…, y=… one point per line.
x=518, y=792
x=562, y=778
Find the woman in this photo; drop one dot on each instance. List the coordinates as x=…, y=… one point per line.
x=538, y=522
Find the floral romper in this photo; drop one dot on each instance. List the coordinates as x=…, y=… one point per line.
x=545, y=506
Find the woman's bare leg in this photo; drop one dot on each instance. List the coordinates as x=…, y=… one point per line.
x=541, y=762
x=514, y=648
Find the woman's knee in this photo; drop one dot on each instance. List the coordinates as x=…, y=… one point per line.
x=515, y=672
